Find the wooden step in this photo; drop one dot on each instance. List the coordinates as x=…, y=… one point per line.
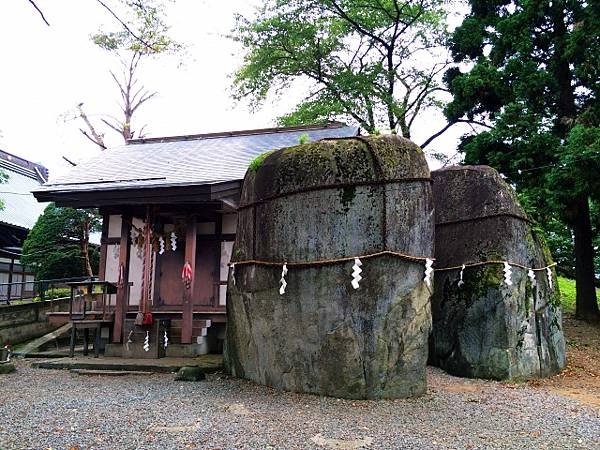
x=33, y=346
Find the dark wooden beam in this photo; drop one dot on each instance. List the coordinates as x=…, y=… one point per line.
x=187, y=194
x=10, y=278
x=103, y=247
x=188, y=292
x=123, y=285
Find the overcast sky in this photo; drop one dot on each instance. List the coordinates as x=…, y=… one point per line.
x=47, y=71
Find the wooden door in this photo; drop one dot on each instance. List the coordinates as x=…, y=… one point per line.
x=170, y=286
x=206, y=279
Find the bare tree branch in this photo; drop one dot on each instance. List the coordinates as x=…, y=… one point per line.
x=101, y=145
x=67, y=159
x=127, y=28
x=97, y=137
x=447, y=126
x=39, y=11
x=147, y=96
x=111, y=126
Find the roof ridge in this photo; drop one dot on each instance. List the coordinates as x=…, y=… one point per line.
x=16, y=168
x=23, y=166
x=251, y=132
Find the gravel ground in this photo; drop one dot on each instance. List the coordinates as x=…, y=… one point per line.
x=42, y=409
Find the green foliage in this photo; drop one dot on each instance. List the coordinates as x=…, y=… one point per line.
x=374, y=62
x=3, y=179
x=54, y=246
x=53, y=293
x=566, y=286
x=144, y=34
x=257, y=162
x=532, y=74
x=303, y=139
x=545, y=127
x=147, y=34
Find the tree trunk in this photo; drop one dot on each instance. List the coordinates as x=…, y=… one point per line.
x=86, y=258
x=586, y=304
x=85, y=246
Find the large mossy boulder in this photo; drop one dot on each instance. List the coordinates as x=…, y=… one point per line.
x=483, y=327
x=321, y=201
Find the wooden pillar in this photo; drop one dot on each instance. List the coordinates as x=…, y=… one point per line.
x=188, y=292
x=123, y=283
x=10, y=279
x=103, y=247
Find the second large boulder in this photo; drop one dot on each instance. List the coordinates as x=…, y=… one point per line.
x=491, y=320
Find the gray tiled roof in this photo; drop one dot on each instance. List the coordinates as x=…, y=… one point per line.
x=196, y=160
x=20, y=207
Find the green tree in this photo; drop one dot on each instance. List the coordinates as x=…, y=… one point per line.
x=377, y=63
x=144, y=34
x=3, y=179
x=58, y=245
x=532, y=73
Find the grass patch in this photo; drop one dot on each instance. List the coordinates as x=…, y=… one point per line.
x=568, y=294
x=257, y=162
x=50, y=294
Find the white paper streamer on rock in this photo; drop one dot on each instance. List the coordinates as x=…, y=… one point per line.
x=233, y=274
x=428, y=271
x=173, y=241
x=165, y=340
x=284, y=272
x=462, y=271
x=147, y=342
x=356, y=270
x=549, y=275
x=507, y=274
x=161, y=243
x=531, y=275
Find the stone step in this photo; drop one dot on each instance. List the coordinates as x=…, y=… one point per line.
x=110, y=373
x=208, y=363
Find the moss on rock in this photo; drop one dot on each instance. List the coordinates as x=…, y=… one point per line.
x=326, y=200
x=7, y=368
x=486, y=327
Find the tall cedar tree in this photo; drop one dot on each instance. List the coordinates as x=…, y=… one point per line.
x=58, y=245
x=377, y=63
x=534, y=75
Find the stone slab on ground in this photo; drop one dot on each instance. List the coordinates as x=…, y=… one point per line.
x=110, y=373
x=208, y=363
